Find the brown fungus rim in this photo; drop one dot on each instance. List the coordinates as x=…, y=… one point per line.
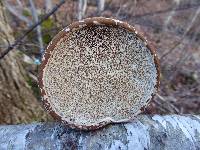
x=95, y=21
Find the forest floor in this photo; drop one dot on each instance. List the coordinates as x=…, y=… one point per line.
x=172, y=26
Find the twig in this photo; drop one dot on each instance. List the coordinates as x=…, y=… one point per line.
x=186, y=7
x=17, y=14
x=164, y=101
x=11, y=47
x=173, y=48
x=19, y=3
x=140, y=18
x=100, y=6
x=171, y=14
x=186, y=32
x=119, y=10
x=32, y=76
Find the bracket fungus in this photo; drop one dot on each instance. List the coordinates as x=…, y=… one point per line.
x=98, y=71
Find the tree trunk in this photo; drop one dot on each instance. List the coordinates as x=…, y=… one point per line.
x=170, y=132
x=17, y=103
x=100, y=6
x=82, y=5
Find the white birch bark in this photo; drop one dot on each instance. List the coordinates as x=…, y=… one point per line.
x=170, y=132
x=101, y=4
x=48, y=5
x=39, y=31
x=82, y=5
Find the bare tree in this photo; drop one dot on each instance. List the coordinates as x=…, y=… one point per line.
x=13, y=45
x=82, y=5
x=48, y=5
x=100, y=6
x=39, y=33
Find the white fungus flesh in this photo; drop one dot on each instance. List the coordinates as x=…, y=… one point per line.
x=97, y=73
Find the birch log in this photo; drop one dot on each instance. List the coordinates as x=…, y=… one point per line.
x=144, y=132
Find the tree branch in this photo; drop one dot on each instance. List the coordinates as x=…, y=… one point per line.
x=17, y=14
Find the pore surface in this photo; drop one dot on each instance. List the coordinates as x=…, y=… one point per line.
x=99, y=72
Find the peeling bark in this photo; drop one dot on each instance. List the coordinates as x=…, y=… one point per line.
x=145, y=132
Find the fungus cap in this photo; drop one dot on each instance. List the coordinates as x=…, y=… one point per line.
x=98, y=71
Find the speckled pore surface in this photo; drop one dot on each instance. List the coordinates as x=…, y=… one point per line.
x=99, y=73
